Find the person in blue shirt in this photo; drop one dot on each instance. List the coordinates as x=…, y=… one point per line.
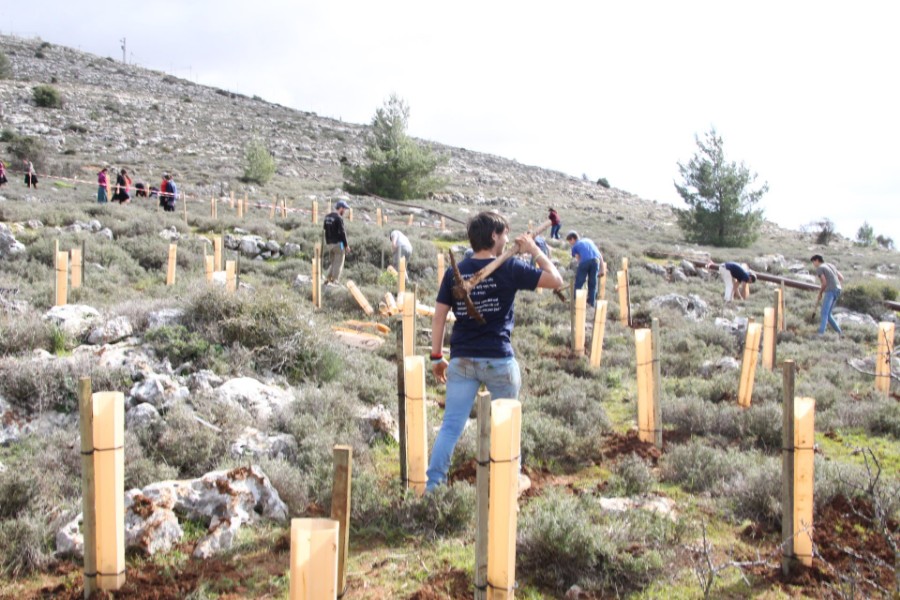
x=589, y=264
x=481, y=354
x=737, y=279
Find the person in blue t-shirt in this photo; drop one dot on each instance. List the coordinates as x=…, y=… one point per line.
x=737, y=279
x=481, y=354
x=590, y=262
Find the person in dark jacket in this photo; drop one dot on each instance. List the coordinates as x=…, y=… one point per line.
x=336, y=240
x=123, y=187
x=737, y=279
x=168, y=193
x=555, y=224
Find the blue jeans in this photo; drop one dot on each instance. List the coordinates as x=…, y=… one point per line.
x=464, y=376
x=554, y=231
x=588, y=269
x=102, y=196
x=829, y=299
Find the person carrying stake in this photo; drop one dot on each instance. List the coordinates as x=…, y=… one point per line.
x=481, y=353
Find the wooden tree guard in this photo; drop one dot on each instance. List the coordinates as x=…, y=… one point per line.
x=804, y=441
x=170, y=270
x=602, y=282
x=360, y=298
x=768, y=357
x=883, y=358
x=231, y=204
x=390, y=304
x=748, y=366
x=657, y=383
x=779, y=309
x=416, y=424
x=506, y=423
x=317, y=278
x=627, y=289
x=598, y=333
x=578, y=325
x=441, y=269
x=622, y=286
x=482, y=492
x=75, y=258
x=315, y=211
x=443, y=224
x=379, y=217
x=89, y=520
x=109, y=487
x=217, y=252
x=284, y=207
x=350, y=215
x=340, y=508
x=409, y=221
x=230, y=278
x=61, y=288
x=272, y=208
x=246, y=206
x=209, y=263
x=787, y=466
x=782, y=312
x=401, y=406
x=646, y=411
x=314, y=559
x=409, y=324
x=212, y=208
x=401, y=276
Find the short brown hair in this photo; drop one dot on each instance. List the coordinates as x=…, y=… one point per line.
x=482, y=227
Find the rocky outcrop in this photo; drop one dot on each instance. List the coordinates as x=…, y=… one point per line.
x=254, y=398
x=691, y=306
x=75, y=319
x=114, y=330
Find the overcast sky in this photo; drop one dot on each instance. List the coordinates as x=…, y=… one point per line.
x=805, y=93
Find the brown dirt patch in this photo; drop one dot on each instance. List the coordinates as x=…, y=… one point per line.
x=453, y=585
x=618, y=445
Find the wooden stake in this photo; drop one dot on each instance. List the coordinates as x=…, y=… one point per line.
x=170, y=270
x=409, y=324
x=217, y=252
x=506, y=422
x=622, y=286
x=317, y=281
x=441, y=269
x=379, y=218
x=246, y=206
x=340, y=508
x=787, y=467
x=804, y=442
x=598, y=333
x=657, y=383
x=350, y=215
x=409, y=221
x=768, y=357
x=314, y=559
x=748, y=365
x=482, y=493
x=272, y=208
x=401, y=276
x=315, y=211
x=779, y=310
x=416, y=423
x=89, y=522
x=360, y=298
x=883, y=358
x=230, y=279
x=646, y=410
x=77, y=265
x=602, y=282
x=109, y=494
x=443, y=224
x=578, y=325
x=210, y=266
x=401, y=407
x=62, y=278
x=231, y=205
x=212, y=208
x=284, y=207
x=627, y=289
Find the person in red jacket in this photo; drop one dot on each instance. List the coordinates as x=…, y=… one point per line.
x=555, y=224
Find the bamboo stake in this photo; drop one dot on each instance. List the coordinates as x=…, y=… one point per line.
x=748, y=366
x=340, y=508
x=75, y=258
x=109, y=498
x=416, y=423
x=779, y=317
x=627, y=290
x=170, y=270
x=401, y=276
x=804, y=441
x=787, y=466
x=883, y=358
x=314, y=559
x=89, y=515
x=360, y=298
x=506, y=421
x=644, y=361
x=409, y=324
x=62, y=277
x=623, y=297
x=768, y=357
x=441, y=269
x=578, y=325
x=212, y=208
x=598, y=333
x=317, y=281
x=482, y=493
x=657, y=383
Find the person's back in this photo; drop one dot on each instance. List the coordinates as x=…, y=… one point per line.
x=830, y=273
x=336, y=240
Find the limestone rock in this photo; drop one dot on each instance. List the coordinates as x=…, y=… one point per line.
x=256, y=398
x=843, y=316
x=691, y=306
x=165, y=316
x=113, y=330
x=74, y=319
x=252, y=442
x=161, y=391
x=726, y=363
x=660, y=505
x=141, y=416
x=378, y=421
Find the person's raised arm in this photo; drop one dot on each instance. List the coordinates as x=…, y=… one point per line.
x=550, y=277
x=438, y=324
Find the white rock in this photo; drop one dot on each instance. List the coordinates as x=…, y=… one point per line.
x=658, y=504
x=74, y=319
x=107, y=233
x=252, y=442
x=255, y=397
x=378, y=421
x=159, y=390
x=165, y=316
x=691, y=306
x=112, y=331
x=142, y=415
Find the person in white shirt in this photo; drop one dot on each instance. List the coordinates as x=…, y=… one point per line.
x=401, y=246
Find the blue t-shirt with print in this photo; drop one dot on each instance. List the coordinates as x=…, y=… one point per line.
x=585, y=249
x=737, y=271
x=493, y=298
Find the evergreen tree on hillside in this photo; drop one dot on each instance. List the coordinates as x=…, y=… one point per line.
x=720, y=201
x=397, y=166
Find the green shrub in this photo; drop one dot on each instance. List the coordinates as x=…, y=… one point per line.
x=448, y=510
x=756, y=494
x=8, y=135
x=180, y=345
x=29, y=148
x=17, y=489
x=632, y=476
x=24, y=333
x=868, y=298
x=699, y=468
x=259, y=164
x=26, y=546
x=140, y=469
x=47, y=96
x=183, y=443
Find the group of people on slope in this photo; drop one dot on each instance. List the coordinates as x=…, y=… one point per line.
x=167, y=191
x=31, y=178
